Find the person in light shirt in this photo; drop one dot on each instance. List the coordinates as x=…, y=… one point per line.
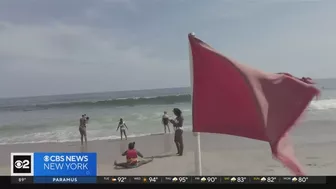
x=178, y=125
x=165, y=122
x=122, y=126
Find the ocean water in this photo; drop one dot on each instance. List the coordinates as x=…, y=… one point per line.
x=56, y=118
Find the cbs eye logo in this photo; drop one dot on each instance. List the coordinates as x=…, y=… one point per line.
x=21, y=164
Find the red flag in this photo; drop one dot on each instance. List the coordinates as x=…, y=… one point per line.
x=304, y=79
x=231, y=98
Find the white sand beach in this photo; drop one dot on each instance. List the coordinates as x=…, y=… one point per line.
x=221, y=155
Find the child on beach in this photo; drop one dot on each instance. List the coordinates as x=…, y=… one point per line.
x=122, y=126
x=132, y=158
x=165, y=122
x=178, y=125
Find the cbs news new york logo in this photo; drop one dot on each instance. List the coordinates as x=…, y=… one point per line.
x=22, y=164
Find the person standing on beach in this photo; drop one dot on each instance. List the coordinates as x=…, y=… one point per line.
x=178, y=125
x=165, y=122
x=82, y=128
x=122, y=126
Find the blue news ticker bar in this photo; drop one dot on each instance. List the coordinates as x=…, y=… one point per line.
x=65, y=164
x=169, y=179
x=65, y=180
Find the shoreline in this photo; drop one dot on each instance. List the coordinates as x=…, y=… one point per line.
x=78, y=140
x=235, y=155
x=188, y=128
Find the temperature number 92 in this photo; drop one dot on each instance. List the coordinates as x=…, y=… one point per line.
x=121, y=179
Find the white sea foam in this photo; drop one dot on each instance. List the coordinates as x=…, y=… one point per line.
x=323, y=104
x=142, y=121
x=68, y=136
x=13, y=140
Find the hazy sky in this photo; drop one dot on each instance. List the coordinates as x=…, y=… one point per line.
x=74, y=46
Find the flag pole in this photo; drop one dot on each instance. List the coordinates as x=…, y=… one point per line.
x=198, y=160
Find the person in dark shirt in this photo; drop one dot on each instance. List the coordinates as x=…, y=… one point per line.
x=178, y=125
x=82, y=129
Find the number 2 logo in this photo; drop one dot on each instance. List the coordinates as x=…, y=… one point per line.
x=22, y=164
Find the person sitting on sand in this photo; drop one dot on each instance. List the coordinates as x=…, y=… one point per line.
x=122, y=126
x=132, y=157
x=178, y=125
x=165, y=122
x=82, y=128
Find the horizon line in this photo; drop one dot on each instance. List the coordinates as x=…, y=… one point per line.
x=127, y=90
x=87, y=93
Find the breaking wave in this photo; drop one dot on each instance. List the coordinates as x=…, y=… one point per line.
x=135, y=101
x=105, y=103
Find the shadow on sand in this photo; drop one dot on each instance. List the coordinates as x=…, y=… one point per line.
x=164, y=156
x=123, y=146
x=83, y=148
x=140, y=163
x=167, y=142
